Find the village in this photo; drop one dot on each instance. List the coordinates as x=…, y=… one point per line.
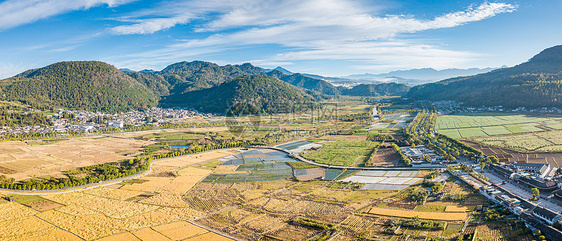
x=87, y=121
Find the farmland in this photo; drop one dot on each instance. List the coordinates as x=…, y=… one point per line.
x=520, y=133
x=156, y=206
x=491, y=124
x=145, y=208
x=20, y=160
x=247, y=194
x=343, y=153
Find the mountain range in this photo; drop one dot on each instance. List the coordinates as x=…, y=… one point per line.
x=97, y=86
x=416, y=76
x=88, y=85
x=535, y=83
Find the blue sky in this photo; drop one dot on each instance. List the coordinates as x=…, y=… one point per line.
x=327, y=37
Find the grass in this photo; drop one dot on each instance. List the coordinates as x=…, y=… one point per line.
x=26, y=199
x=210, y=165
x=430, y=208
x=447, y=233
x=346, y=185
x=342, y=153
x=301, y=165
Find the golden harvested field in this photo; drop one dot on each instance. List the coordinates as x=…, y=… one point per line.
x=455, y=209
x=112, y=193
x=13, y=210
x=208, y=237
x=120, y=237
x=187, y=160
x=186, y=178
x=423, y=215
x=20, y=160
x=179, y=230
x=148, y=234
x=116, y=212
x=50, y=233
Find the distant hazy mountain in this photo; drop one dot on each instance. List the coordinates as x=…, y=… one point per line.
x=418, y=76
x=254, y=91
x=535, y=83
x=280, y=69
x=125, y=70
x=87, y=85
x=305, y=82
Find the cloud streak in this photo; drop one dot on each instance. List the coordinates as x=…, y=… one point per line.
x=149, y=26
x=315, y=29
x=14, y=13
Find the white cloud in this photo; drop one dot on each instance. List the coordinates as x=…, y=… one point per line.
x=149, y=26
x=14, y=13
x=314, y=29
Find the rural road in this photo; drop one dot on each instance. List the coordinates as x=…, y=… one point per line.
x=430, y=167
x=94, y=185
x=115, y=181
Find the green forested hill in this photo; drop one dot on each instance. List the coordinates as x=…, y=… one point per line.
x=87, y=85
x=187, y=76
x=255, y=91
x=535, y=83
x=155, y=82
x=306, y=82
x=386, y=89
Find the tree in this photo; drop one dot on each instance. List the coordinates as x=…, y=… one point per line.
x=482, y=165
x=493, y=159
x=535, y=192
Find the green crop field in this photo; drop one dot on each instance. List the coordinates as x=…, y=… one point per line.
x=514, y=131
x=342, y=153
x=469, y=125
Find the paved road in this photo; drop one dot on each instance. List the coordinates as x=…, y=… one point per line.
x=521, y=191
x=428, y=167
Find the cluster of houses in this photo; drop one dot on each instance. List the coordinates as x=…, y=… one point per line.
x=75, y=120
x=535, y=216
x=418, y=155
x=532, y=175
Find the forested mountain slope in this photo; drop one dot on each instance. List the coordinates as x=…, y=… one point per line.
x=535, y=83
x=252, y=94
x=86, y=85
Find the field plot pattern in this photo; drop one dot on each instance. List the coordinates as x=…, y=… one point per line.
x=384, y=180
x=20, y=160
x=486, y=124
x=254, y=166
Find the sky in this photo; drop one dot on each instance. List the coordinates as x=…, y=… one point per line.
x=326, y=37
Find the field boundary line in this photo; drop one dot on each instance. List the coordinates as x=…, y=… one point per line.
x=57, y=226
x=212, y=231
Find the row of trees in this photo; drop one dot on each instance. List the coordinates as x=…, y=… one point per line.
x=405, y=160
x=109, y=171
x=13, y=118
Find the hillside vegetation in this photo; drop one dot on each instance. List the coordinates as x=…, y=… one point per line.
x=249, y=94
x=196, y=75
x=536, y=83
x=87, y=85
x=386, y=89
x=305, y=82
